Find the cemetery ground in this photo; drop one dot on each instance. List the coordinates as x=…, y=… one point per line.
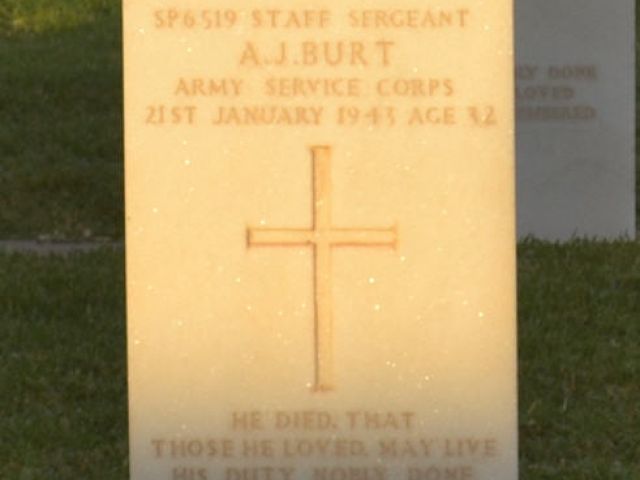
x=62, y=318
x=63, y=374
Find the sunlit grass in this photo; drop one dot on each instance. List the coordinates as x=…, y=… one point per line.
x=46, y=15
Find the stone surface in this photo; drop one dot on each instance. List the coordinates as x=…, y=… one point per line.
x=320, y=240
x=575, y=118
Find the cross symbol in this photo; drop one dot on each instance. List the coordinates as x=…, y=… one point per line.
x=322, y=237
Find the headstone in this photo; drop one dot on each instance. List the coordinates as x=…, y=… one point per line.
x=320, y=240
x=575, y=93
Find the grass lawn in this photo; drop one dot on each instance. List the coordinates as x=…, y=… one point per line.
x=63, y=381
x=579, y=345
x=60, y=119
x=62, y=368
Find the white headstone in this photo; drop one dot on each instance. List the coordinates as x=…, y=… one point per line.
x=320, y=240
x=575, y=80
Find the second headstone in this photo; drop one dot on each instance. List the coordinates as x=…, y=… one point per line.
x=575, y=95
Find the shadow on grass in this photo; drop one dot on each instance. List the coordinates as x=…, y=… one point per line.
x=579, y=358
x=61, y=137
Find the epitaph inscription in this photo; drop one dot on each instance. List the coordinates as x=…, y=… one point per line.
x=555, y=93
x=320, y=237
x=337, y=436
x=575, y=89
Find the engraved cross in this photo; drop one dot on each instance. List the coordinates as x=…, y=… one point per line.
x=322, y=237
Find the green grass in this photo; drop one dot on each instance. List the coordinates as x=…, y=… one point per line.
x=61, y=124
x=579, y=344
x=63, y=381
x=62, y=367
x=51, y=15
